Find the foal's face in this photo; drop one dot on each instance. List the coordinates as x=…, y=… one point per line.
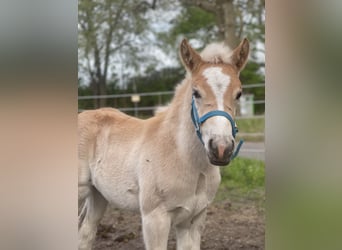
x=216, y=86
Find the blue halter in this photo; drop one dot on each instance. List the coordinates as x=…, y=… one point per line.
x=199, y=120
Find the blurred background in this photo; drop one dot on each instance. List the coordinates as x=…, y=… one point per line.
x=40, y=80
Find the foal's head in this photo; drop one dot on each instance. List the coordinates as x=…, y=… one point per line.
x=216, y=86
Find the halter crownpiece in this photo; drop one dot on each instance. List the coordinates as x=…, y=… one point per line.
x=198, y=121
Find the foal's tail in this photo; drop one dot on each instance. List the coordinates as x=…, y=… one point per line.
x=84, y=189
x=82, y=211
x=85, y=137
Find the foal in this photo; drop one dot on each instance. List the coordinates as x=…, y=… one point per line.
x=166, y=167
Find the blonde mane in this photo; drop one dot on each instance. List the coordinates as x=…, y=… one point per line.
x=216, y=53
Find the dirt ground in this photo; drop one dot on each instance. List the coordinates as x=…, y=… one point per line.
x=229, y=226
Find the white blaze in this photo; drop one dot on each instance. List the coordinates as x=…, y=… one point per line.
x=218, y=82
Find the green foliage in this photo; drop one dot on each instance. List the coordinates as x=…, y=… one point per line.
x=244, y=173
x=243, y=179
x=192, y=20
x=251, y=125
x=255, y=125
x=85, y=104
x=251, y=75
x=164, y=80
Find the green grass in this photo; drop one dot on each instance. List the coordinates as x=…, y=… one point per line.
x=256, y=125
x=242, y=172
x=251, y=125
x=243, y=179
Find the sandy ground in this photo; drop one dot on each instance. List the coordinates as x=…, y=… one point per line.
x=229, y=225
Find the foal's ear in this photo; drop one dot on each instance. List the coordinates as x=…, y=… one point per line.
x=240, y=55
x=190, y=58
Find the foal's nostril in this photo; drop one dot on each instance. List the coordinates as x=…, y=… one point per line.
x=210, y=143
x=230, y=147
x=213, y=147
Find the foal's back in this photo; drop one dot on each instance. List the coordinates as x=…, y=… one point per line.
x=110, y=127
x=110, y=144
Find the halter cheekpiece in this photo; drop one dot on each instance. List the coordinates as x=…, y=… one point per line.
x=198, y=121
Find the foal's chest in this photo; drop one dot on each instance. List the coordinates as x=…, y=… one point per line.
x=194, y=204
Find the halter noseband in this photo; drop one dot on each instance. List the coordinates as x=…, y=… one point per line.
x=198, y=121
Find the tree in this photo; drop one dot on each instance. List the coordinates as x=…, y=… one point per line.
x=234, y=18
x=194, y=23
x=106, y=28
x=115, y=35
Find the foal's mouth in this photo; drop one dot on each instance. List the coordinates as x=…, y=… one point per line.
x=220, y=163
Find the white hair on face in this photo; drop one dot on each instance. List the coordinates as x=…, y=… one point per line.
x=217, y=53
x=219, y=82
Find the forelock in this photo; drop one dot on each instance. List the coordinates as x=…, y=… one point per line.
x=217, y=53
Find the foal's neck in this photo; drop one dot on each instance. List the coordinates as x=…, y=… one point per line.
x=183, y=130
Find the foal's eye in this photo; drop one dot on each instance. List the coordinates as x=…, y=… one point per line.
x=238, y=96
x=196, y=94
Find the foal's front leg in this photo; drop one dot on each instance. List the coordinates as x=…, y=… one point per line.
x=156, y=228
x=189, y=233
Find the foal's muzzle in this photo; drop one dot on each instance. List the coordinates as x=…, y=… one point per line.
x=220, y=151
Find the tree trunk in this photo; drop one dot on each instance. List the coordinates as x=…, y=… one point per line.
x=226, y=20
x=99, y=88
x=102, y=91
x=95, y=90
x=226, y=16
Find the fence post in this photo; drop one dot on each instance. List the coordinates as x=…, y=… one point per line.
x=135, y=99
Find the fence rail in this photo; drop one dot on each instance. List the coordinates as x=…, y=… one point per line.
x=125, y=95
x=158, y=93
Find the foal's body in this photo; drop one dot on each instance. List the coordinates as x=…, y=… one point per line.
x=159, y=166
x=173, y=183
